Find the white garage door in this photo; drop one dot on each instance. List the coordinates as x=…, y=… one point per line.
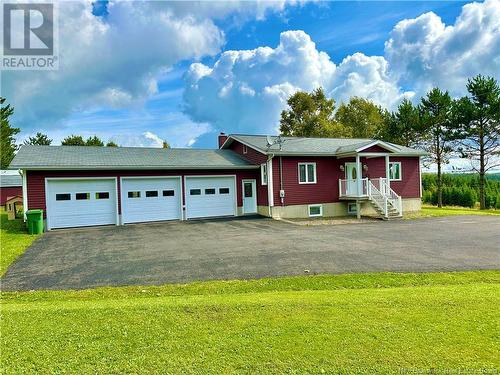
x=150, y=199
x=80, y=203
x=210, y=196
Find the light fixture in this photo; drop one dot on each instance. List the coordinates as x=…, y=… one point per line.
x=365, y=167
x=342, y=167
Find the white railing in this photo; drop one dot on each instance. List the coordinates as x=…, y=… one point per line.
x=377, y=190
x=351, y=188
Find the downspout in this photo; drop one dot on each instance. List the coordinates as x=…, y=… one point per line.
x=282, y=198
x=270, y=196
x=24, y=177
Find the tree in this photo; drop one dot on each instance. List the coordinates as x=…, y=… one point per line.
x=73, y=140
x=111, y=144
x=403, y=125
x=437, y=125
x=478, y=116
x=361, y=118
x=7, y=141
x=309, y=115
x=39, y=139
x=165, y=144
x=94, y=141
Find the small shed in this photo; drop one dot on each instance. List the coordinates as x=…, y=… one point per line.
x=14, y=207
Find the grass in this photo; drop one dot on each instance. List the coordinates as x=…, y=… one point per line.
x=14, y=240
x=433, y=211
x=359, y=323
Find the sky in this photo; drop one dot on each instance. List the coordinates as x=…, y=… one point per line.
x=138, y=73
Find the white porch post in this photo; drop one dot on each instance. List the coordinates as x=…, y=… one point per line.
x=358, y=175
x=387, y=172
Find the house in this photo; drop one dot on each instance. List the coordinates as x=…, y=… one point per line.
x=10, y=186
x=279, y=177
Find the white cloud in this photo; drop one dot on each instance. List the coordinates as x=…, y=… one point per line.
x=245, y=91
x=116, y=61
x=424, y=52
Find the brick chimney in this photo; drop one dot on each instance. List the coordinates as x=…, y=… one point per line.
x=222, y=139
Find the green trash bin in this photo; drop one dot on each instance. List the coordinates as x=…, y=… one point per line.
x=34, y=221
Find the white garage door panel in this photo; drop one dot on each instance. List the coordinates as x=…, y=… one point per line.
x=80, y=212
x=210, y=205
x=152, y=208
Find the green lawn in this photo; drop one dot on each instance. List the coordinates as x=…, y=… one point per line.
x=433, y=211
x=365, y=323
x=14, y=240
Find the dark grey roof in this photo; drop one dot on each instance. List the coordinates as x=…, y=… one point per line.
x=318, y=146
x=88, y=157
x=7, y=180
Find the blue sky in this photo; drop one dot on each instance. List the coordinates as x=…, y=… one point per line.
x=138, y=86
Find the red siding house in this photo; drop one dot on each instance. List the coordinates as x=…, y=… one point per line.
x=279, y=177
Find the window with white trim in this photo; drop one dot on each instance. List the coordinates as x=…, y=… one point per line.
x=263, y=174
x=245, y=149
x=395, y=171
x=307, y=173
x=315, y=210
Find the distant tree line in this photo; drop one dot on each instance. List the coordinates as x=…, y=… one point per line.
x=461, y=190
x=467, y=127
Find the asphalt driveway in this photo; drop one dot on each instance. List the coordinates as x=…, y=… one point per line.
x=251, y=248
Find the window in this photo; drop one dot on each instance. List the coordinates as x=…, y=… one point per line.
x=263, y=174
x=245, y=149
x=395, y=171
x=352, y=208
x=151, y=193
x=63, y=197
x=195, y=192
x=134, y=194
x=168, y=193
x=210, y=191
x=315, y=210
x=307, y=173
x=82, y=196
x=247, y=190
x=102, y=195
x=224, y=191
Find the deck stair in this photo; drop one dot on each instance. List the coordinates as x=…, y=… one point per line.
x=384, y=200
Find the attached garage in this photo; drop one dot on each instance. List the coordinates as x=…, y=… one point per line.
x=80, y=202
x=150, y=199
x=79, y=186
x=210, y=196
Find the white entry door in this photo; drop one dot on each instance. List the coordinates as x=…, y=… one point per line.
x=80, y=202
x=210, y=196
x=150, y=199
x=249, y=197
x=350, y=175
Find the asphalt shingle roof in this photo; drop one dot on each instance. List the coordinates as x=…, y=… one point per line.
x=319, y=146
x=8, y=180
x=80, y=157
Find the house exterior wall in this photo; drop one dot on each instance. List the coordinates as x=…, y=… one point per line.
x=328, y=173
x=255, y=157
x=9, y=191
x=325, y=190
x=36, y=181
x=375, y=148
x=409, y=186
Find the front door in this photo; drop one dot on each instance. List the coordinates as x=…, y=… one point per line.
x=350, y=176
x=249, y=197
